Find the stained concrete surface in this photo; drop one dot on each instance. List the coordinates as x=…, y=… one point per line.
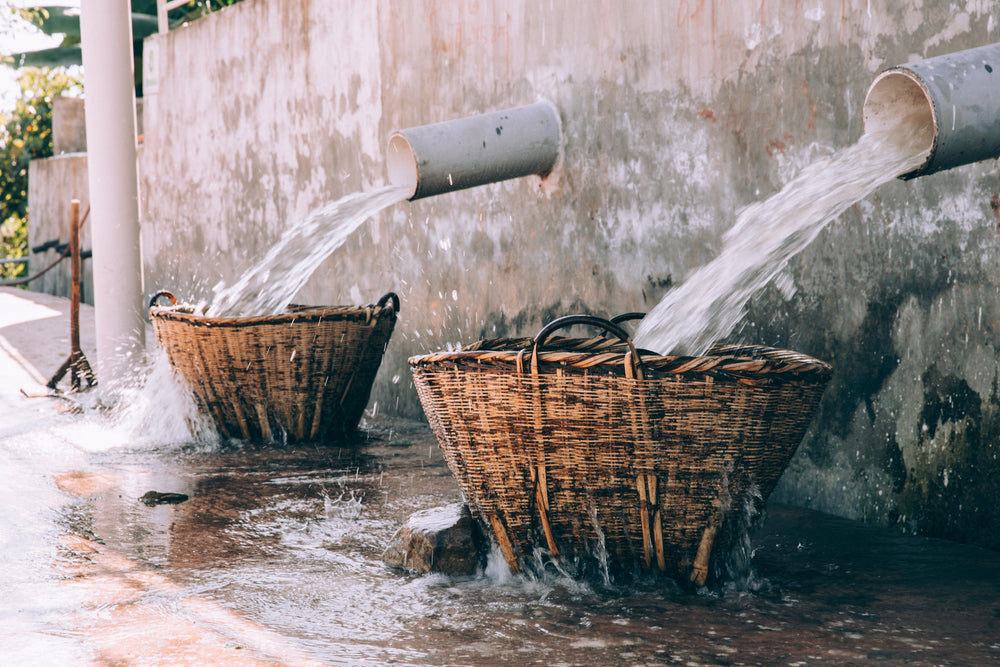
x=275, y=560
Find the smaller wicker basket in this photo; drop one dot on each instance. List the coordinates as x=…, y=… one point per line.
x=304, y=375
x=589, y=447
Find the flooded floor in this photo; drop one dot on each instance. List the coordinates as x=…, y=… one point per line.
x=275, y=559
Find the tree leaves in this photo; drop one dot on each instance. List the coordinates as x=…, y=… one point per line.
x=26, y=134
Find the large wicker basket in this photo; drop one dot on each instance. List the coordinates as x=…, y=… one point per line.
x=586, y=447
x=304, y=375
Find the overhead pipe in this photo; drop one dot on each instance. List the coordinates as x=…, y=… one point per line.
x=956, y=95
x=476, y=150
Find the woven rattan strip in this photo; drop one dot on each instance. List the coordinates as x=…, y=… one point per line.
x=654, y=469
x=304, y=375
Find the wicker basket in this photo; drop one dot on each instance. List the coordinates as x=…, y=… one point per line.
x=304, y=375
x=570, y=444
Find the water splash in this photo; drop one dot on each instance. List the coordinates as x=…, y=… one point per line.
x=497, y=570
x=155, y=408
x=270, y=286
x=346, y=506
x=600, y=549
x=768, y=234
x=734, y=567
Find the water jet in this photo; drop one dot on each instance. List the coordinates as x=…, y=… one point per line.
x=958, y=97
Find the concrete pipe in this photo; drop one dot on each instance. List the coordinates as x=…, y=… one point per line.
x=958, y=96
x=457, y=154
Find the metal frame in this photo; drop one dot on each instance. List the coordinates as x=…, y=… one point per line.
x=164, y=6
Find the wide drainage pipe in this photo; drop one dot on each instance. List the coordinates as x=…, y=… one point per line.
x=958, y=97
x=463, y=153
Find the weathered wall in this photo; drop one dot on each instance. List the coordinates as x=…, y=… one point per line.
x=69, y=126
x=53, y=184
x=675, y=115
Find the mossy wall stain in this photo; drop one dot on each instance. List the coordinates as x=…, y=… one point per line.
x=952, y=483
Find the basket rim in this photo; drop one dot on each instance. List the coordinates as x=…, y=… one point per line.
x=297, y=314
x=183, y=312
x=604, y=354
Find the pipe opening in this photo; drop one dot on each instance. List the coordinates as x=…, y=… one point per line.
x=401, y=163
x=898, y=99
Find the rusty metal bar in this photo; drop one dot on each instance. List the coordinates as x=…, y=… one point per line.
x=77, y=364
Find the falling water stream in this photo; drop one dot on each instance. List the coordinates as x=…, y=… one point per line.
x=767, y=234
x=275, y=559
x=271, y=284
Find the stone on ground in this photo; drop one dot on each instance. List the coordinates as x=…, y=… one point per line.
x=444, y=539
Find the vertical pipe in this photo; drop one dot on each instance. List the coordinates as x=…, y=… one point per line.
x=106, y=33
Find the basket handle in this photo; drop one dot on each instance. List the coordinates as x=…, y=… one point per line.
x=570, y=320
x=632, y=360
x=163, y=292
x=626, y=317
x=386, y=298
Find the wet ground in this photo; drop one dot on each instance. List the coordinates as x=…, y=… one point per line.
x=274, y=559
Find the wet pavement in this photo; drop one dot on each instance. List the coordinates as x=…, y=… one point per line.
x=275, y=558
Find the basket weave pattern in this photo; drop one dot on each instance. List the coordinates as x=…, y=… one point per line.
x=578, y=444
x=304, y=375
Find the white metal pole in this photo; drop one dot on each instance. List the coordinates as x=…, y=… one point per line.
x=106, y=33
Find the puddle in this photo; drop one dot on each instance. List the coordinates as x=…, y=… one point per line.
x=276, y=559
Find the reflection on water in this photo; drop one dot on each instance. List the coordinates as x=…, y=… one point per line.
x=276, y=559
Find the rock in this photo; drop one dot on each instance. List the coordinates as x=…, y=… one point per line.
x=443, y=539
x=156, y=498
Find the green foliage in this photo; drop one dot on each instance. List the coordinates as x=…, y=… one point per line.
x=26, y=134
x=65, y=21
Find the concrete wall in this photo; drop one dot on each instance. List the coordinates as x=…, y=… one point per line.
x=69, y=126
x=675, y=115
x=53, y=184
